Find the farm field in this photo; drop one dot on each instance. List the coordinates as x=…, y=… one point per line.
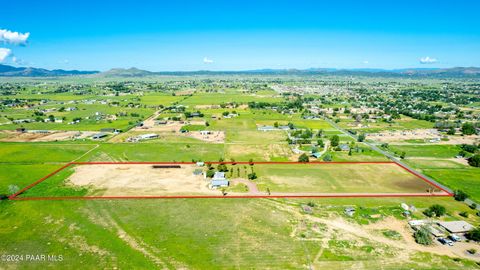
x=250, y=126
x=126, y=234
x=279, y=179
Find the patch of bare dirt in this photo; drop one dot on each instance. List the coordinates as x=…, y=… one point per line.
x=140, y=179
x=50, y=136
x=211, y=136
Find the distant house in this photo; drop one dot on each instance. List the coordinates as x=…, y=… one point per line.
x=219, y=183
x=200, y=163
x=109, y=130
x=99, y=135
x=219, y=176
x=147, y=136
x=266, y=128
x=344, y=147
x=205, y=132
x=316, y=155
x=416, y=223
x=456, y=226
x=161, y=122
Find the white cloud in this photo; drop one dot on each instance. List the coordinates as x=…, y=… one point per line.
x=4, y=53
x=365, y=62
x=207, y=60
x=427, y=60
x=16, y=38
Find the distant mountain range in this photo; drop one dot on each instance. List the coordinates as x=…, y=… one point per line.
x=456, y=72
x=9, y=71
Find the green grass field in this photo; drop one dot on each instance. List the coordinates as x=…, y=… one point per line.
x=338, y=178
x=435, y=151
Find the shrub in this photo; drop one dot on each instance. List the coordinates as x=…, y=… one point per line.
x=463, y=214
x=473, y=234
x=460, y=195
x=327, y=157
x=422, y=236
x=435, y=210
x=335, y=140
x=472, y=251
x=252, y=176
x=210, y=173
x=474, y=161
x=473, y=206
x=222, y=168
x=361, y=137
x=303, y=158
x=468, y=129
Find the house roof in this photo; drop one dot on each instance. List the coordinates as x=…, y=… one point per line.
x=219, y=175
x=219, y=182
x=344, y=147
x=456, y=226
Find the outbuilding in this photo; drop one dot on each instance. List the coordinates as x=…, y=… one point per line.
x=99, y=136
x=219, y=183
x=456, y=226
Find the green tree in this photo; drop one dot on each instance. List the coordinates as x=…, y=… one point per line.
x=361, y=137
x=335, y=140
x=320, y=143
x=460, y=195
x=468, y=129
x=473, y=234
x=451, y=131
x=303, y=158
x=474, y=160
x=422, y=236
x=327, y=157
x=252, y=176
x=222, y=168
x=402, y=155
x=210, y=173
x=435, y=210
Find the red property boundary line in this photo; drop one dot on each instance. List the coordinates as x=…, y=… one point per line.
x=333, y=195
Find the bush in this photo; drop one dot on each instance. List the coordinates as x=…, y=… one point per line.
x=474, y=161
x=303, y=158
x=252, y=176
x=472, y=251
x=473, y=234
x=463, y=214
x=327, y=157
x=361, y=137
x=422, y=236
x=222, y=168
x=460, y=195
x=335, y=140
x=435, y=210
x=468, y=129
x=3, y=196
x=473, y=206
x=210, y=173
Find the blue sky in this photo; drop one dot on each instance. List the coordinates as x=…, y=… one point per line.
x=238, y=35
